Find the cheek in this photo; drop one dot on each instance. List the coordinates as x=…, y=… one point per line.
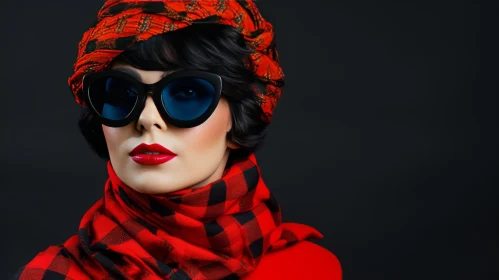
x=115, y=137
x=212, y=132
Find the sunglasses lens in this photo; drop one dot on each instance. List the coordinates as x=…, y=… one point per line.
x=188, y=98
x=113, y=97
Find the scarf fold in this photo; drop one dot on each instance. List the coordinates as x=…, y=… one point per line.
x=217, y=231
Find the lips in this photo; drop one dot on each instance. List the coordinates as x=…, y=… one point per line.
x=153, y=154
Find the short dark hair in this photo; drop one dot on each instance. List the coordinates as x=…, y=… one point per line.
x=213, y=47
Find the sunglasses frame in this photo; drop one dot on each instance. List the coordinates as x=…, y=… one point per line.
x=155, y=91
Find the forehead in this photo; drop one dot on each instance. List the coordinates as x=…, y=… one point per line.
x=145, y=76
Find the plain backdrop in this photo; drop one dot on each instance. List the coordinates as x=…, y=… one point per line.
x=385, y=138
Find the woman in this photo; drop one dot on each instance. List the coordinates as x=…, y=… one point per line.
x=178, y=96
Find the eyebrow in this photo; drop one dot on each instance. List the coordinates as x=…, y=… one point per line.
x=136, y=74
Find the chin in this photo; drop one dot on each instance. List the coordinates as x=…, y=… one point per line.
x=149, y=188
x=151, y=182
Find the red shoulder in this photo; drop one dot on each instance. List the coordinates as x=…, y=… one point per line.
x=323, y=263
x=303, y=259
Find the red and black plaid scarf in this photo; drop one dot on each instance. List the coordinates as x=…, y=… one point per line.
x=218, y=231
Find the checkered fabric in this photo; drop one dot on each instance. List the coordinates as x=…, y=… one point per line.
x=122, y=23
x=217, y=231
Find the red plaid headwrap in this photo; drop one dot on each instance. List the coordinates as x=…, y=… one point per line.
x=122, y=23
x=217, y=231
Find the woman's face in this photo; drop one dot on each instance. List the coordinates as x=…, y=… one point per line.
x=201, y=151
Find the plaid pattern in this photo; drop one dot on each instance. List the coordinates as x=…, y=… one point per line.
x=218, y=231
x=122, y=23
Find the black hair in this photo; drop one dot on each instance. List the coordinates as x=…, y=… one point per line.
x=217, y=48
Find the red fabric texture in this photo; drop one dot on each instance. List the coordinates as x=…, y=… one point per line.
x=123, y=23
x=304, y=260
x=218, y=231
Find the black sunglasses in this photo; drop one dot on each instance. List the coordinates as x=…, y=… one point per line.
x=184, y=98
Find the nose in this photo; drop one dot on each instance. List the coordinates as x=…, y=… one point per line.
x=150, y=118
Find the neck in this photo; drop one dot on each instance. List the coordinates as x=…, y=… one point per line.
x=217, y=174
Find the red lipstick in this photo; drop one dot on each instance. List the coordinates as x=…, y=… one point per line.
x=153, y=154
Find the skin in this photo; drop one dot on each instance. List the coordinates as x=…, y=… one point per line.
x=202, y=151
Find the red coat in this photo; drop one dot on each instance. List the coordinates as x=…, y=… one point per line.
x=304, y=260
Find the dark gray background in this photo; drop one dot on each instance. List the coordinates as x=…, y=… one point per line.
x=384, y=138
